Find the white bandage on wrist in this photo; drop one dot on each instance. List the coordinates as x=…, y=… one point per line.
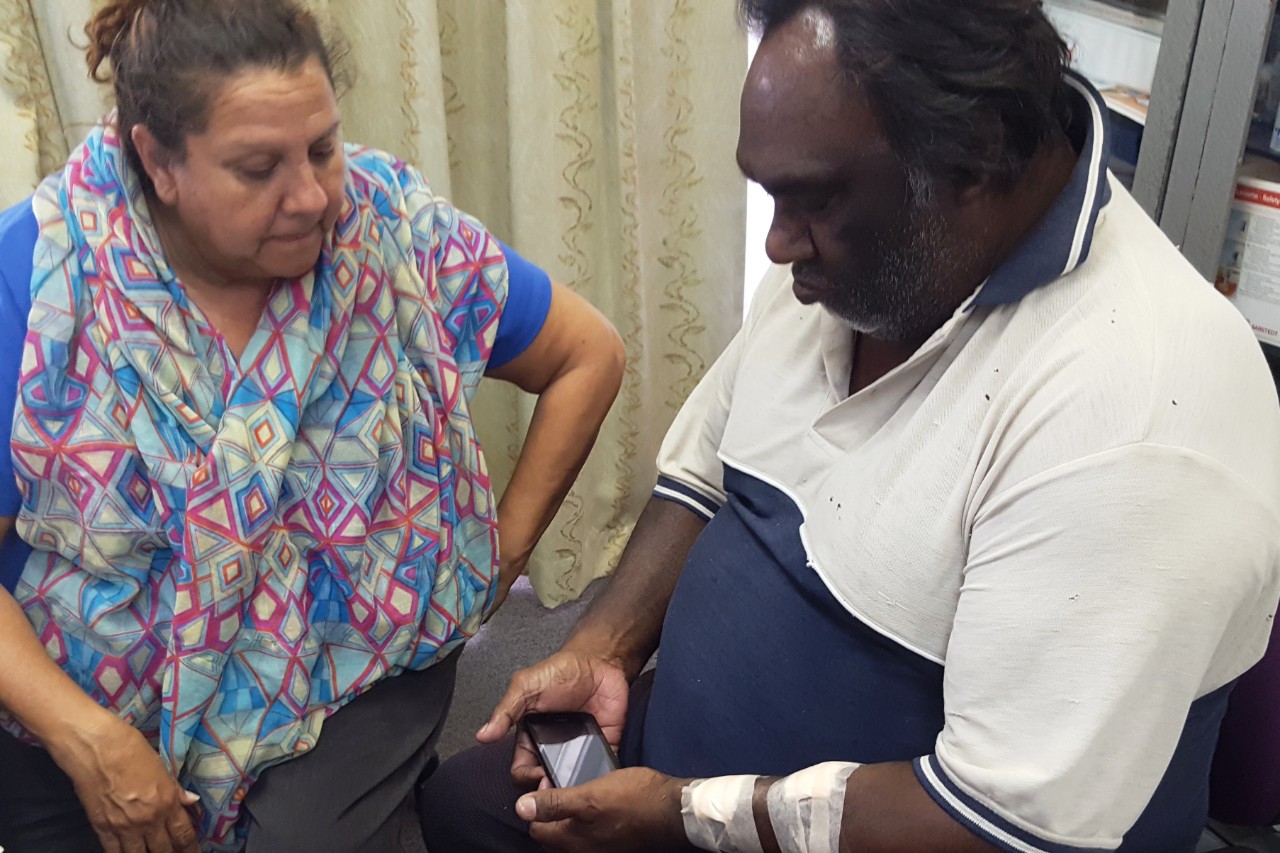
x=806, y=808
x=717, y=814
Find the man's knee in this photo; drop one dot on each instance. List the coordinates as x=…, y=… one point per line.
x=468, y=804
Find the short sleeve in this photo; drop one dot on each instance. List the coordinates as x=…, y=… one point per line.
x=689, y=468
x=528, y=303
x=1102, y=598
x=18, y=233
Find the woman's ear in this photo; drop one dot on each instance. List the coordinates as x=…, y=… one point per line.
x=159, y=163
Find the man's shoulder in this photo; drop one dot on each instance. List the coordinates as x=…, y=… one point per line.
x=1136, y=347
x=1138, y=303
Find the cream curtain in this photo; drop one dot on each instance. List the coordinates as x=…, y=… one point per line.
x=594, y=136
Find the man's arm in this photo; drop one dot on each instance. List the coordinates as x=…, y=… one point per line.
x=1105, y=595
x=611, y=642
x=883, y=809
x=828, y=808
x=625, y=621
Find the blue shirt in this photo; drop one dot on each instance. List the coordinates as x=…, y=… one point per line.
x=528, y=302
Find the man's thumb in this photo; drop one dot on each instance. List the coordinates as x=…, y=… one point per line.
x=545, y=806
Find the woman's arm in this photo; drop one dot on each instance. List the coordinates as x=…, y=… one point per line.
x=32, y=687
x=575, y=367
x=128, y=794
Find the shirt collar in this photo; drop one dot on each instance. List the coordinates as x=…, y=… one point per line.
x=1061, y=241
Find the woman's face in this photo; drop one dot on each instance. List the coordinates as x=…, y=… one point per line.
x=261, y=186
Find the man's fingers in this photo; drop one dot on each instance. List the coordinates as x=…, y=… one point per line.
x=553, y=837
x=182, y=833
x=132, y=843
x=110, y=844
x=528, y=777
x=510, y=708
x=158, y=839
x=526, y=770
x=549, y=805
x=546, y=806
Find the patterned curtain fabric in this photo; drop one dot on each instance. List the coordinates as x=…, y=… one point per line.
x=594, y=136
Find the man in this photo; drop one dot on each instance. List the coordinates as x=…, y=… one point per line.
x=968, y=533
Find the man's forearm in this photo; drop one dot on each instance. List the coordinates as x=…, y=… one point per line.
x=625, y=622
x=828, y=808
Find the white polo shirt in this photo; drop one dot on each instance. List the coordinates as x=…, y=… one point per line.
x=1046, y=542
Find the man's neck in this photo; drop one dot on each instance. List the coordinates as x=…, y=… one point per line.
x=873, y=358
x=1016, y=214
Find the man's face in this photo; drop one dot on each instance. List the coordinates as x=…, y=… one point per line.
x=872, y=243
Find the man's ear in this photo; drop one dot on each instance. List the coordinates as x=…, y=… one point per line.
x=159, y=163
x=971, y=192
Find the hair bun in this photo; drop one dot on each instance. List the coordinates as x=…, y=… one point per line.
x=105, y=29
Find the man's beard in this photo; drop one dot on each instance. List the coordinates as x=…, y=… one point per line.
x=903, y=295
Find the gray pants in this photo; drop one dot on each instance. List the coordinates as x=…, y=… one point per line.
x=355, y=791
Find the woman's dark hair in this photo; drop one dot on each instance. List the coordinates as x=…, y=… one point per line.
x=168, y=58
x=966, y=90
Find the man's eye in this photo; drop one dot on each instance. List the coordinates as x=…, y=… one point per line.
x=257, y=174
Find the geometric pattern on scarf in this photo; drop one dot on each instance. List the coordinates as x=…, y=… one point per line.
x=228, y=550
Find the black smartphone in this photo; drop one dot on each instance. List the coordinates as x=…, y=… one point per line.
x=570, y=746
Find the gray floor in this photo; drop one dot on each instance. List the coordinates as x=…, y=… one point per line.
x=522, y=632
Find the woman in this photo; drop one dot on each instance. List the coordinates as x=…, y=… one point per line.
x=253, y=519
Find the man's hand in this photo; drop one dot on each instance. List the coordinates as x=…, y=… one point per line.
x=636, y=809
x=133, y=802
x=566, y=681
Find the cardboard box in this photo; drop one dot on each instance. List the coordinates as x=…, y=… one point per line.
x=1249, y=271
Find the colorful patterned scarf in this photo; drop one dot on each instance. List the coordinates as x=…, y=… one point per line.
x=229, y=550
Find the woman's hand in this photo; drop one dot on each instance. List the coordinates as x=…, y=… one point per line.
x=134, y=804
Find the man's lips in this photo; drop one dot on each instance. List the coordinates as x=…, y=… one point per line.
x=809, y=290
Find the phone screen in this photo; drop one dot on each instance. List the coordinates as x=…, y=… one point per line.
x=571, y=748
